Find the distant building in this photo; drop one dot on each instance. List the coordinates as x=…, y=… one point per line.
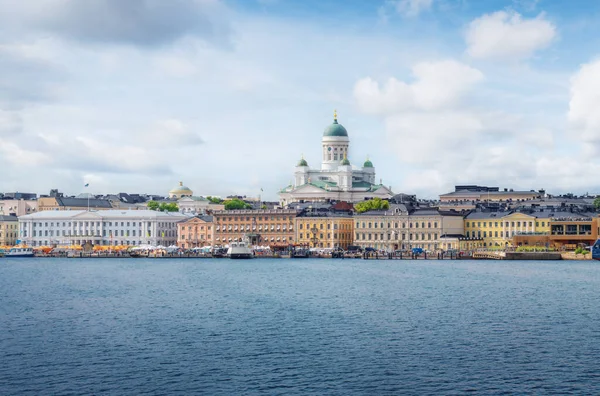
x=337, y=180
x=324, y=230
x=557, y=228
x=180, y=191
x=9, y=230
x=17, y=207
x=468, y=196
x=20, y=195
x=402, y=227
x=197, y=205
x=106, y=227
x=57, y=203
x=270, y=227
x=197, y=231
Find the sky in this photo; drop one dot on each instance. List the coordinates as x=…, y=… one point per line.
x=227, y=95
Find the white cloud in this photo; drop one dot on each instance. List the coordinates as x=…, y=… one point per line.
x=507, y=35
x=584, y=114
x=437, y=85
x=412, y=8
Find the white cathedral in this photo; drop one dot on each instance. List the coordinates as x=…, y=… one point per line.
x=337, y=180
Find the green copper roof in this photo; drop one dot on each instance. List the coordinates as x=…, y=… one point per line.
x=335, y=129
x=302, y=162
x=368, y=164
x=345, y=161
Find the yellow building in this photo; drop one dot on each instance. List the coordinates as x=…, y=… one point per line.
x=327, y=231
x=9, y=230
x=497, y=229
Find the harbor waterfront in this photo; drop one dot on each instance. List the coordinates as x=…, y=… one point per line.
x=298, y=327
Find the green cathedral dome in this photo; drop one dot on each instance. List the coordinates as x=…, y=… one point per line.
x=335, y=129
x=368, y=164
x=345, y=161
x=302, y=162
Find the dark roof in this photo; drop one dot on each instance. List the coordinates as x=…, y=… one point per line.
x=8, y=218
x=83, y=202
x=343, y=206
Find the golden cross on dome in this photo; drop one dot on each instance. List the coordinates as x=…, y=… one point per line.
x=335, y=114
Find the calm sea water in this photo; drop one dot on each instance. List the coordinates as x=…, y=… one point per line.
x=297, y=327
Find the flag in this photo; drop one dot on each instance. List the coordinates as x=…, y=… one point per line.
x=86, y=185
x=163, y=234
x=261, y=190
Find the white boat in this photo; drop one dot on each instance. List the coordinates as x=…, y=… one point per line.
x=19, y=252
x=239, y=250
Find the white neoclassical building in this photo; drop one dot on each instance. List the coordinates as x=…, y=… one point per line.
x=337, y=179
x=106, y=227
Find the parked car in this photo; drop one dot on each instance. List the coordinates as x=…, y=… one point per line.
x=417, y=251
x=370, y=249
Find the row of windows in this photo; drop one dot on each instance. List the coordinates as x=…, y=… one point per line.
x=485, y=234
x=494, y=224
x=254, y=228
x=196, y=228
x=381, y=237
x=170, y=233
x=8, y=234
x=343, y=226
x=396, y=225
x=195, y=237
x=256, y=218
x=342, y=235
x=103, y=242
x=98, y=223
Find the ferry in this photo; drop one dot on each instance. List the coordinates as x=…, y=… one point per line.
x=239, y=250
x=596, y=250
x=19, y=252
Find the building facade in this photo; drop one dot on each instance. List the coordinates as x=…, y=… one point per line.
x=108, y=227
x=197, y=205
x=194, y=232
x=497, y=229
x=9, y=230
x=398, y=229
x=270, y=227
x=61, y=203
x=325, y=231
x=337, y=179
x=17, y=207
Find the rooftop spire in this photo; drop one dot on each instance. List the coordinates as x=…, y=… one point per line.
x=335, y=116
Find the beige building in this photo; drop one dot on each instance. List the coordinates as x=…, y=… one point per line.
x=9, y=230
x=397, y=228
x=194, y=232
x=268, y=227
x=197, y=205
x=17, y=207
x=467, y=196
x=60, y=203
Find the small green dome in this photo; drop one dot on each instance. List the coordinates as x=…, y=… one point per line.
x=302, y=162
x=345, y=161
x=368, y=164
x=335, y=129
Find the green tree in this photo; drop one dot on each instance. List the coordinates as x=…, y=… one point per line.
x=597, y=203
x=214, y=200
x=233, y=204
x=153, y=205
x=169, y=207
x=372, y=204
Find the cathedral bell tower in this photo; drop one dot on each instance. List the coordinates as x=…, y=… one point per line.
x=335, y=144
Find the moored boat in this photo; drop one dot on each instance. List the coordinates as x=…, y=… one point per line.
x=19, y=252
x=239, y=250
